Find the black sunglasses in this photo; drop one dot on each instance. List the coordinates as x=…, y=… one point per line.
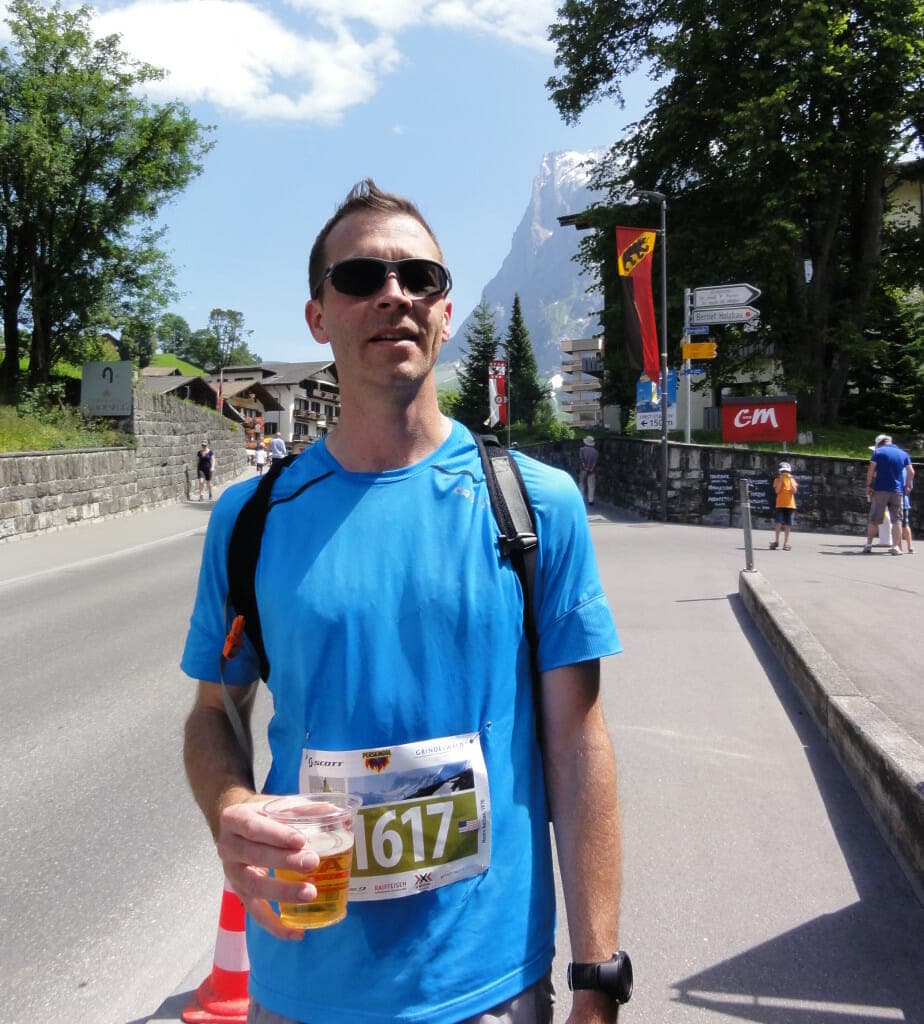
x=365, y=275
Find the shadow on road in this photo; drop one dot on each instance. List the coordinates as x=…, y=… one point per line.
x=854, y=966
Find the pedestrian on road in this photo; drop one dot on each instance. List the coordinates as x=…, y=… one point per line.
x=588, y=456
x=260, y=459
x=786, y=486
x=387, y=656
x=889, y=477
x=906, y=511
x=205, y=466
x=277, y=447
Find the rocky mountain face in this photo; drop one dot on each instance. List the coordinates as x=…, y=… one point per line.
x=540, y=269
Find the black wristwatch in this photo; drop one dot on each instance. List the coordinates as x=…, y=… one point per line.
x=614, y=977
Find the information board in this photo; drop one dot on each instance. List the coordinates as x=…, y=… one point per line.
x=761, y=495
x=106, y=389
x=720, y=488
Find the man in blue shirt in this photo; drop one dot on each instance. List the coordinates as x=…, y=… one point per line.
x=401, y=672
x=889, y=477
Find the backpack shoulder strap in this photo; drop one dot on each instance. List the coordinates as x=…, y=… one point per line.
x=518, y=540
x=243, y=555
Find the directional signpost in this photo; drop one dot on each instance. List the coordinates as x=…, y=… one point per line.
x=698, y=350
x=724, y=304
x=725, y=295
x=725, y=315
x=712, y=305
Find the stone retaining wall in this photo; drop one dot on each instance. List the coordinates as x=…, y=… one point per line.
x=48, y=490
x=703, y=483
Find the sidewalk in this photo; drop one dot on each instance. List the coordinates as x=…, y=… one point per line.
x=844, y=626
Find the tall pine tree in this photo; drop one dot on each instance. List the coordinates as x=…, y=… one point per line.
x=527, y=393
x=482, y=341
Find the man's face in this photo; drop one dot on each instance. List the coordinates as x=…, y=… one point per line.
x=388, y=338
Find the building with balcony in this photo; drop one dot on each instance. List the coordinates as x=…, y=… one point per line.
x=304, y=398
x=582, y=374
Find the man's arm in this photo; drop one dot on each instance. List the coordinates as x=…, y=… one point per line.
x=870, y=475
x=581, y=778
x=248, y=842
x=909, y=479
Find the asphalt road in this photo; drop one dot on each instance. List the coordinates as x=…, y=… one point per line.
x=756, y=886
x=110, y=885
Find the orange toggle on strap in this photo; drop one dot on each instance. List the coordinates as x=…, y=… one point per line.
x=235, y=638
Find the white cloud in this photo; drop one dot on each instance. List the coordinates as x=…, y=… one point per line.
x=307, y=60
x=240, y=57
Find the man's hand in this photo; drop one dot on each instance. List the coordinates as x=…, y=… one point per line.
x=250, y=844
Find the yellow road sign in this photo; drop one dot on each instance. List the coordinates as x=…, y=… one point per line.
x=698, y=350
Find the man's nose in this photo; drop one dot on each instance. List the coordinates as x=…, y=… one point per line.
x=393, y=291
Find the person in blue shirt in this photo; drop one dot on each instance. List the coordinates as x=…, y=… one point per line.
x=400, y=671
x=890, y=475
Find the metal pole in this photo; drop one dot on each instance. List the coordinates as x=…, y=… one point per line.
x=745, y=493
x=664, y=454
x=687, y=367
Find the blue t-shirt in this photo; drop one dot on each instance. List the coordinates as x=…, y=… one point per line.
x=392, y=622
x=890, y=461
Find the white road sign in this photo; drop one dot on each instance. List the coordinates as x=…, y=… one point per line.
x=725, y=315
x=724, y=295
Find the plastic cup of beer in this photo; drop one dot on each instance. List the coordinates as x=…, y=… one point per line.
x=326, y=822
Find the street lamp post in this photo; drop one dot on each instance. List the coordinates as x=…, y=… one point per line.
x=659, y=197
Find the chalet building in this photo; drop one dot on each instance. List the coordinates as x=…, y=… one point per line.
x=304, y=398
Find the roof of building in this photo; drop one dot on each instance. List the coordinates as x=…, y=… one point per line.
x=160, y=371
x=233, y=388
x=164, y=385
x=295, y=373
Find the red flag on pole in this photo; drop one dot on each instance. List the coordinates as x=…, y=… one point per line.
x=497, y=392
x=635, y=252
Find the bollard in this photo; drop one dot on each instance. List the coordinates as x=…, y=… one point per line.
x=746, y=523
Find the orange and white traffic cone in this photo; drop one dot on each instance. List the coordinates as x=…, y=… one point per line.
x=222, y=998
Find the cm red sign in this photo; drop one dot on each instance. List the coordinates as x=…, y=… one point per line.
x=759, y=419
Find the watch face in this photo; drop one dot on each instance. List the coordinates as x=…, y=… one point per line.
x=615, y=977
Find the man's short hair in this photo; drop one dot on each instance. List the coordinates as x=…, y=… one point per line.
x=364, y=196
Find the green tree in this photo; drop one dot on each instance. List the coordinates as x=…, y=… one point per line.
x=173, y=334
x=222, y=343
x=226, y=326
x=472, y=404
x=527, y=393
x=775, y=134
x=85, y=164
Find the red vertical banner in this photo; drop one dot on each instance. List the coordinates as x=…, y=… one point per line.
x=635, y=252
x=497, y=393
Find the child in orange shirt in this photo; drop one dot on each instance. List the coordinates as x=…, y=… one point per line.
x=785, y=486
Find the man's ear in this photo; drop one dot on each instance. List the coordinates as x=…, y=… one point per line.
x=447, y=321
x=314, y=317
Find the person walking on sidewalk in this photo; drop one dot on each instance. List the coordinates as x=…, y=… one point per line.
x=588, y=457
x=260, y=459
x=205, y=465
x=786, y=486
x=277, y=447
x=396, y=638
x=906, y=512
x=889, y=477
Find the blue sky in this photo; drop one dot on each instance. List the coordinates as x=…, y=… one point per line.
x=441, y=100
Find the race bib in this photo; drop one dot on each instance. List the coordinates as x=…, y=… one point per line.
x=425, y=819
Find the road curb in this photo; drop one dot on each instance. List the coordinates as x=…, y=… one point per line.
x=884, y=764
